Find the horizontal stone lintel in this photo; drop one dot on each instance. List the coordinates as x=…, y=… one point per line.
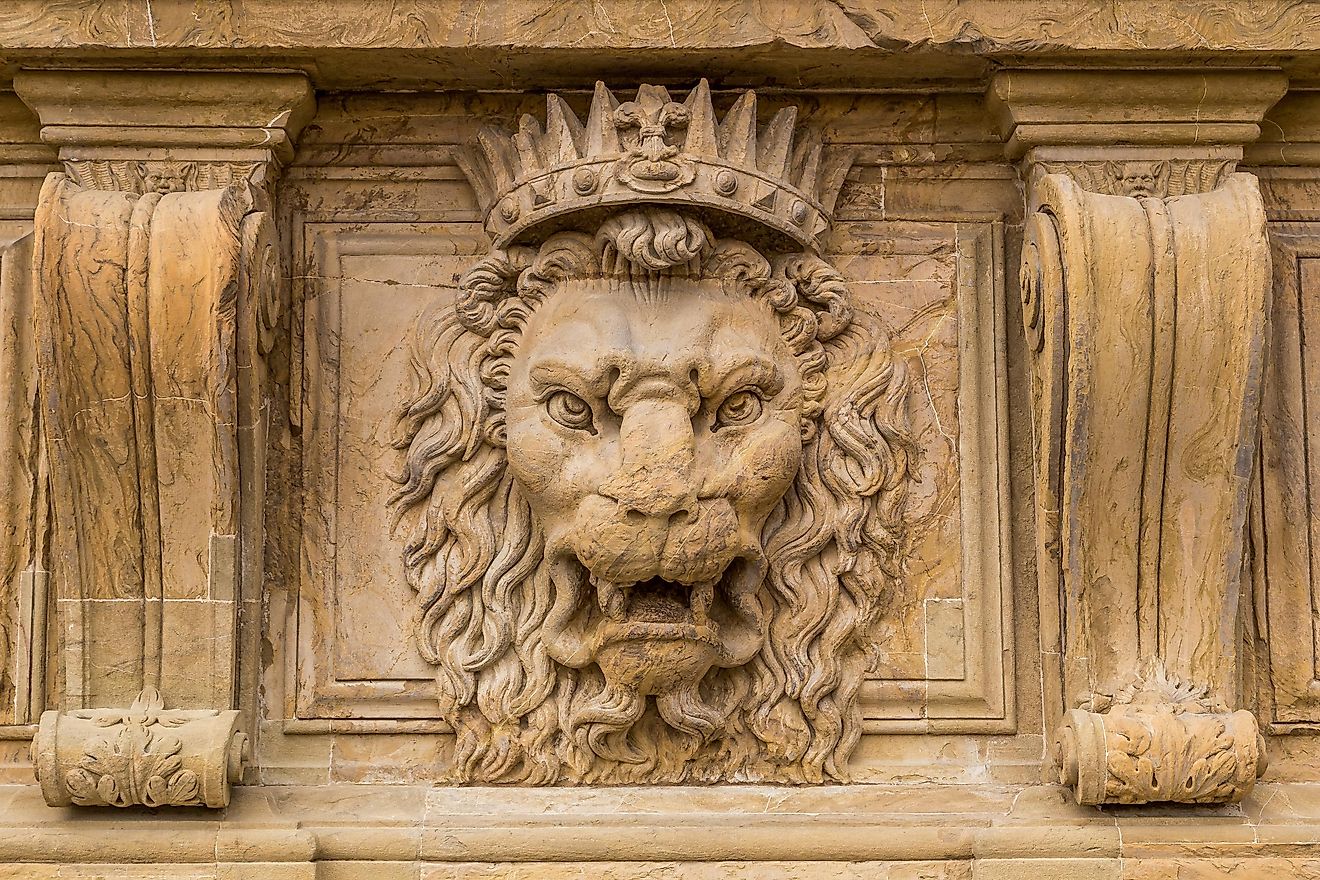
x=514, y=43
x=300, y=824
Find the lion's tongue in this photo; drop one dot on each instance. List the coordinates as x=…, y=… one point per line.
x=659, y=601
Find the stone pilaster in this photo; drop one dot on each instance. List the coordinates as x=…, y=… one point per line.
x=24, y=162
x=157, y=295
x=1145, y=282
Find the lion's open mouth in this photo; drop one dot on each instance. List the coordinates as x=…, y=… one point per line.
x=656, y=601
x=658, y=606
x=591, y=612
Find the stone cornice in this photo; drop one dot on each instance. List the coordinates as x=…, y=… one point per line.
x=982, y=26
x=513, y=43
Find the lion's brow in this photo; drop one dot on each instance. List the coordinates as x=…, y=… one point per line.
x=751, y=367
x=550, y=371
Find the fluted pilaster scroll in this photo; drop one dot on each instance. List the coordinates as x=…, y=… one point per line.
x=1145, y=287
x=158, y=297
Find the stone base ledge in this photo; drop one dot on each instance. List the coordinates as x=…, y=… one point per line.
x=872, y=831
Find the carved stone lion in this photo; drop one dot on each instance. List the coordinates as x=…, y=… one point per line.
x=653, y=484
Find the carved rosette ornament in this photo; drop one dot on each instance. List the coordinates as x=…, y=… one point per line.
x=1145, y=318
x=654, y=469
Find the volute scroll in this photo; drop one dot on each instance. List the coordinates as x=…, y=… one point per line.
x=1145, y=318
x=158, y=295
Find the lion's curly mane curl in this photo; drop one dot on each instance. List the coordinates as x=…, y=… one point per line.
x=474, y=552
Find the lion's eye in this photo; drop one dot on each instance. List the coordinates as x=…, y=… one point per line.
x=739, y=408
x=569, y=410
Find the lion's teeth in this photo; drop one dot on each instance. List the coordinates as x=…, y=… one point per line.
x=703, y=596
x=746, y=604
x=615, y=607
x=613, y=599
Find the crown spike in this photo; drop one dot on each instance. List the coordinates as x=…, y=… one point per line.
x=563, y=131
x=835, y=165
x=528, y=140
x=499, y=157
x=805, y=165
x=602, y=138
x=738, y=131
x=703, y=137
x=776, y=143
x=477, y=171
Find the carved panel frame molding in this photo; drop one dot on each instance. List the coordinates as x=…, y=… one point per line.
x=973, y=694
x=1287, y=593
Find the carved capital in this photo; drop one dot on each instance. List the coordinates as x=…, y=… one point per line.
x=145, y=755
x=1131, y=133
x=168, y=131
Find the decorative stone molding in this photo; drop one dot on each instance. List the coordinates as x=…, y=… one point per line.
x=1139, y=177
x=1146, y=320
x=159, y=176
x=157, y=298
x=655, y=464
x=168, y=131
x=145, y=755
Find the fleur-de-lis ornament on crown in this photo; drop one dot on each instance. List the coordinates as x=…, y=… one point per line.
x=773, y=182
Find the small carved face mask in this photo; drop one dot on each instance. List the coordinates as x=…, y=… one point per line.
x=654, y=425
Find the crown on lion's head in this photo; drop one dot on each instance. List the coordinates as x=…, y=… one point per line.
x=654, y=482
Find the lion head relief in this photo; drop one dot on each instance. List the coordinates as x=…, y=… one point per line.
x=653, y=488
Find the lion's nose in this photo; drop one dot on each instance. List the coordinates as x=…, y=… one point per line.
x=655, y=471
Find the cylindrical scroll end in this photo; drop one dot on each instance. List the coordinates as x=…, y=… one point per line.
x=144, y=755
x=1137, y=754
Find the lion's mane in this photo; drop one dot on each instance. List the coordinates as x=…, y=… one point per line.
x=474, y=553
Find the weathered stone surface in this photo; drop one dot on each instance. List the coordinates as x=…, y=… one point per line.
x=592, y=485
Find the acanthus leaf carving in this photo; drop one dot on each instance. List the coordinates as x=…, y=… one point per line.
x=145, y=755
x=134, y=763
x=1138, y=753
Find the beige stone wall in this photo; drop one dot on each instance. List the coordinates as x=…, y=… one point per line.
x=1082, y=239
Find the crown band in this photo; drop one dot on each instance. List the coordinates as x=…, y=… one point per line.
x=651, y=150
